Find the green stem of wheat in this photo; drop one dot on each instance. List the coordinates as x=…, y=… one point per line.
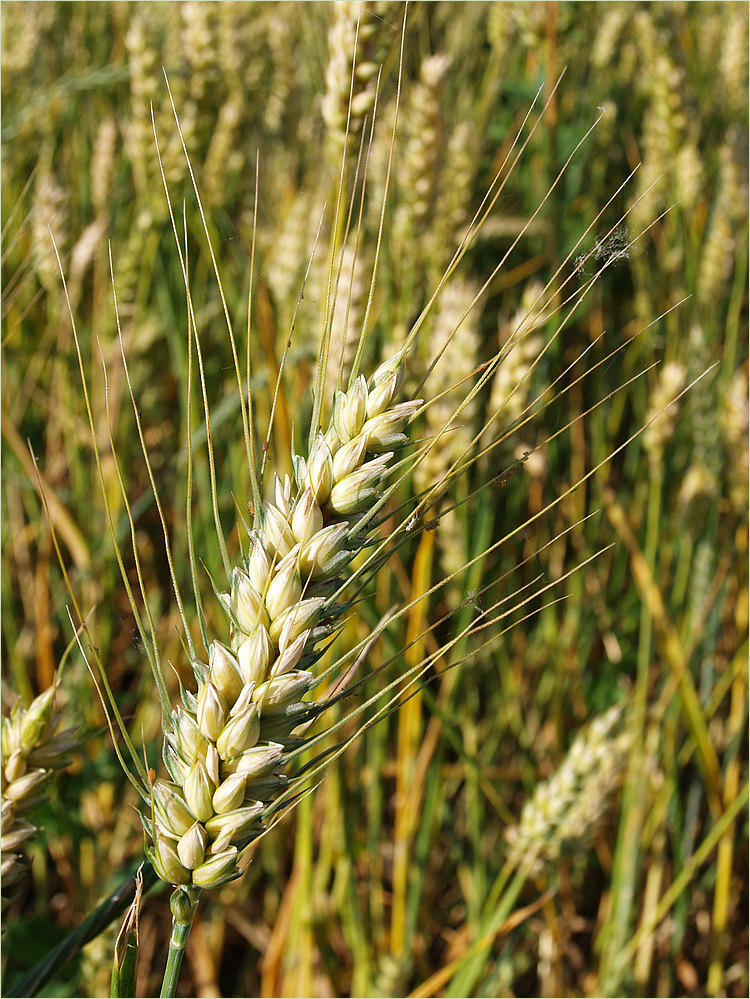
x=184, y=906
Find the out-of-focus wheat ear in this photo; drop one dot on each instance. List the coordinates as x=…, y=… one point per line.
x=351, y=285
x=563, y=814
x=339, y=235
x=31, y=749
x=357, y=44
x=657, y=434
x=287, y=345
x=566, y=810
x=733, y=421
x=349, y=261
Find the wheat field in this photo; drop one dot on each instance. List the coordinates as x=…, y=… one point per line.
x=531, y=778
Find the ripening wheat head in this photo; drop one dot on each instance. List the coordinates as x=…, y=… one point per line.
x=225, y=744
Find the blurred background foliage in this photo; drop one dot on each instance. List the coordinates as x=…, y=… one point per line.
x=386, y=874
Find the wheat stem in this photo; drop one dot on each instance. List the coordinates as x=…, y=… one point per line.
x=184, y=905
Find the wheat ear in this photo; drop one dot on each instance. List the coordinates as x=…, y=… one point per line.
x=225, y=744
x=33, y=747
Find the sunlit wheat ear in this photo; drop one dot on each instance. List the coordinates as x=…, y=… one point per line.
x=225, y=744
